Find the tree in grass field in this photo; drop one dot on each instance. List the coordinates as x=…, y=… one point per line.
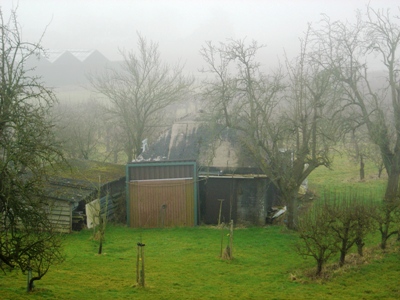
x=315, y=238
x=349, y=218
x=288, y=120
x=28, y=239
x=346, y=50
x=139, y=92
x=336, y=224
x=386, y=216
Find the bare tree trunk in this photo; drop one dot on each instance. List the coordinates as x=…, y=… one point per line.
x=362, y=170
x=342, y=258
x=392, y=185
x=380, y=170
x=360, y=244
x=115, y=159
x=129, y=154
x=291, y=206
x=100, y=246
x=320, y=263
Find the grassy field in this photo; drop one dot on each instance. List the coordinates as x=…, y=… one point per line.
x=184, y=263
x=344, y=174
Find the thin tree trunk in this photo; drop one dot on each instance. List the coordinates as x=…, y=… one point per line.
x=319, y=267
x=362, y=170
x=291, y=206
x=392, y=186
x=342, y=258
x=100, y=246
x=360, y=244
x=384, y=237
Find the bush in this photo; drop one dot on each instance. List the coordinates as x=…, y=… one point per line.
x=335, y=224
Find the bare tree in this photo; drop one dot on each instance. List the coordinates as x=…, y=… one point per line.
x=334, y=225
x=27, y=148
x=80, y=127
x=315, y=240
x=349, y=218
x=288, y=126
x=345, y=50
x=386, y=217
x=139, y=93
x=361, y=150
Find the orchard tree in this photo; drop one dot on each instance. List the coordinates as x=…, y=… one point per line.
x=314, y=238
x=27, y=237
x=360, y=149
x=347, y=51
x=139, y=92
x=335, y=224
x=289, y=120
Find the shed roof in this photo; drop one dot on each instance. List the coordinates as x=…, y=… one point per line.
x=88, y=170
x=80, y=179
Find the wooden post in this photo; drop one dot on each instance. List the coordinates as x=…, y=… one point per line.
x=222, y=239
x=231, y=238
x=137, y=263
x=220, y=210
x=140, y=275
x=162, y=214
x=142, y=271
x=28, y=279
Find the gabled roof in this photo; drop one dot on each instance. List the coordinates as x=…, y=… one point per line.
x=190, y=138
x=67, y=59
x=80, y=54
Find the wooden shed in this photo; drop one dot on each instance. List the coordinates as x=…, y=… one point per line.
x=162, y=194
x=70, y=187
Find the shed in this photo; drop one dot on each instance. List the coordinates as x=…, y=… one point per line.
x=162, y=193
x=244, y=195
x=71, y=186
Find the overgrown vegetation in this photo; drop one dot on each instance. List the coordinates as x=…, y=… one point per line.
x=29, y=241
x=338, y=221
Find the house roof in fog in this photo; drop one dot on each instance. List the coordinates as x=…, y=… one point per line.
x=191, y=138
x=53, y=55
x=80, y=54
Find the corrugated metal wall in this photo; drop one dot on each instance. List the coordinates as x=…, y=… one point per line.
x=162, y=194
x=159, y=203
x=160, y=171
x=60, y=215
x=211, y=192
x=246, y=200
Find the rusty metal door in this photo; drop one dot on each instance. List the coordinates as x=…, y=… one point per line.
x=162, y=203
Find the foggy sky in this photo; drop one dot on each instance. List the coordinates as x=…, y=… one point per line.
x=180, y=27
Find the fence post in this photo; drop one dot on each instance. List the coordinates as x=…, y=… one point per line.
x=140, y=273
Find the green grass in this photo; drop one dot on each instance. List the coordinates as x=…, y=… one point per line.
x=184, y=263
x=344, y=174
